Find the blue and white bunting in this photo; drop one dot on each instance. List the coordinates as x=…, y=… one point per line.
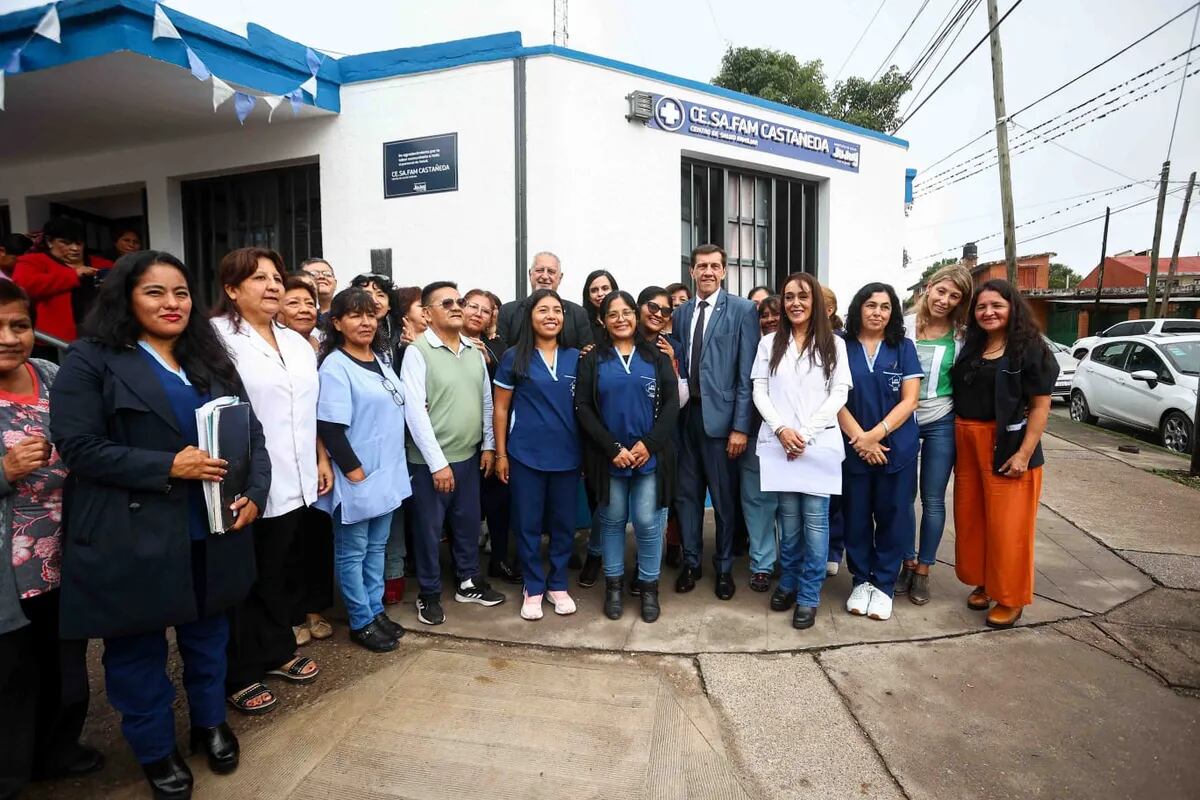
x=314, y=60
x=310, y=86
x=243, y=104
x=201, y=72
x=14, y=62
x=221, y=91
x=297, y=98
x=1, y=90
x=163, y=27
x=49, y=26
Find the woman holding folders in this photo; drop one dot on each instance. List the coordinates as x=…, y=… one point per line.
x=139, y=557
x=1002, y=383
x=879, y=475
x=537, y=453
x=360, y=417
x=627, y=402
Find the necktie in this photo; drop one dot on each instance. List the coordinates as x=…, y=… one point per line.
x=697, y=349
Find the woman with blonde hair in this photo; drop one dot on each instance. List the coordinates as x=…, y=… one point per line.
x=936, y=328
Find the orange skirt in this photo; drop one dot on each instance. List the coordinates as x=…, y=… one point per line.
x=995, y=518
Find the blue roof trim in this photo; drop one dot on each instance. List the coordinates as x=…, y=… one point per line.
x=264, y=62
x=909, y=174
x=409, y=60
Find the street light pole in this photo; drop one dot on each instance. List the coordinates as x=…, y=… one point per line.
x=1152, y=286
x=1006, y=198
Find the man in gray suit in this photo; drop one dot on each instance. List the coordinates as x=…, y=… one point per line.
x=546, y=273
x=719, y=336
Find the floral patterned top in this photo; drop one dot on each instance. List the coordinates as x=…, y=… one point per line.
x=37, y=498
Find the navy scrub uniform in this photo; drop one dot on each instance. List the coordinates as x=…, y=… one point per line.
x=877, y=505
x=544, y=456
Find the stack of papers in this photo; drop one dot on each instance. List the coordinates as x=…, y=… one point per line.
x=223, y=431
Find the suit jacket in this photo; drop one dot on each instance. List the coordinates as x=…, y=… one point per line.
x=127, y=553
x=576, y=332
x=730, y=342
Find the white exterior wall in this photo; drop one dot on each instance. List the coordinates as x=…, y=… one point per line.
x=605, y=192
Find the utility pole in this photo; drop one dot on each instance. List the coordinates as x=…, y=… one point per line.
x=1094, y=317
x=560, y=23
x=1152, y=286
x=1187, y=199
x=1006, y=198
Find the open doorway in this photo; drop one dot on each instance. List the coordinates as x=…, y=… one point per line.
x=106, y=214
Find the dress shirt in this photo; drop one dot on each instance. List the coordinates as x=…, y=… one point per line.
x=708, y=314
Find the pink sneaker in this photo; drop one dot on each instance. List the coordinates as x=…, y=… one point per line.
x=563, y=604
x=531, y=608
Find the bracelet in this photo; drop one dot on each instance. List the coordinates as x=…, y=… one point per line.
x=887, y=429
x=498, y=457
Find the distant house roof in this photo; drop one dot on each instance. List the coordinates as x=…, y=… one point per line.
x=1188, y=265
x=981, y=267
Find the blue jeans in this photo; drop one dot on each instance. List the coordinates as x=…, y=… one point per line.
x=937, y=460
x=637, y=494
x=803, y=545
x=761, y=510
x=358, y=555
x=394, y=553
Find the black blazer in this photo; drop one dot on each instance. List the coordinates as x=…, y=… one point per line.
x=577, y=330
x=127, y=555
x=600, y=446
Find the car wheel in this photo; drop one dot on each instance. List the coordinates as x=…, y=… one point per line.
x=1079, y=408
x=1177, y=432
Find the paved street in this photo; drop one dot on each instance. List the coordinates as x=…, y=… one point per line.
x=1097, y=693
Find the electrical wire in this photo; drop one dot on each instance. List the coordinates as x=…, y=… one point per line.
x=939, y=31
x=896, y=46
x=963, y=11
x=962, y=27
x=1026, y=207
x=854, y=49
x=1179, y=100
x=958, y=66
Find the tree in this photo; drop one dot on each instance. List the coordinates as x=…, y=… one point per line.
x=782, y=78
x=1063, y=277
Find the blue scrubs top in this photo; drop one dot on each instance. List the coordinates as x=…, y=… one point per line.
x=627, y=388
x=876, y=392
x=542, y=433
x=184, y=399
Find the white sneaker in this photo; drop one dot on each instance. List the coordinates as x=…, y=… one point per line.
x=563, y=604
x=880, y=606
x=831, y=568
x=859, y=599
x=531, y=608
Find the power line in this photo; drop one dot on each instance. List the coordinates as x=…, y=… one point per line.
x=963, y=11
x=896, y=46
x=1026, y=207
x=1068, y=83
x=957, y=66
x=1179, y=100
x=962, y=27
x=860, y=38
x=955, y=8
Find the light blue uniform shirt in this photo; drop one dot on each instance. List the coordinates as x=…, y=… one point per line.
x=362, y=400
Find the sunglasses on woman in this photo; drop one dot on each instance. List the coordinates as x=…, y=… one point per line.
x=360, y=281
x=655, y=309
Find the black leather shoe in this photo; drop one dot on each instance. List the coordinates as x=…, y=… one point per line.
x=635, y=587
x=221, y=746
x=73, y=762
x=725, y=587
x=389, y=625
x=590, y=572
x=673, y=556
x=804, y=617
x=904, y=579
x=612, y=598
x=760, y=582
x=650, y=601
x=687, y=579
x=782, y=600
x=504, y=571
x=169, y=778
x=373, y=637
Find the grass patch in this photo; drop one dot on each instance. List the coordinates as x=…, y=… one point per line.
x=1179, y=476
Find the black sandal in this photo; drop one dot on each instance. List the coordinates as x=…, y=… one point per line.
x=295, y=672
x=240, y=699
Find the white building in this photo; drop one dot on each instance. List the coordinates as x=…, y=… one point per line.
x=538, y=148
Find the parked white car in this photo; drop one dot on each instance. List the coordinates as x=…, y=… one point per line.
x=1135, y=327
x=1067, y=364
x=1146, y=381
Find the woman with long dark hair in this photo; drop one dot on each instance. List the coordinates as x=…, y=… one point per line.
x=801, y=378
x=627, y=403
x=1002, y=383
x=538, y=454
x=360, y=417
x=598, y=285
x=880, y=471
x=387, y=311
x=139, y=557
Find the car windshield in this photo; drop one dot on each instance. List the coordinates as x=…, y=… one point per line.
x=1184, y=356
x=1054, y=346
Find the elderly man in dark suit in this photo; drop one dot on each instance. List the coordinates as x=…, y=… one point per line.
x=718, y=335
x=546, y=273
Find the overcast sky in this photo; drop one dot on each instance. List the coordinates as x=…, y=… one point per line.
x=1046, y=43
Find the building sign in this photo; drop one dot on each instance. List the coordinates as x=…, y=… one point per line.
x=420, y=166
x=706, y=122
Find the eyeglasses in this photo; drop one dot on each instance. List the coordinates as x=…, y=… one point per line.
x=654, y=308
x=448, y=303
x=475, y=308
x=360, y=281
x=317, y=273
x=393, y=391
x=613, y=316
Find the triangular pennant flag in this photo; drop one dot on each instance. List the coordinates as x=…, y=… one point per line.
x=49, y=26
x=310, y=86
x=243, y=104
x=297, y=98
x=1, y=90
x=222, y=91
x=14, y=62
x=163, y=27
x=314, y=60
x=272, y=101
x=201, y=72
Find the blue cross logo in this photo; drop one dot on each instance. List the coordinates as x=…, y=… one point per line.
x=668, y=113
